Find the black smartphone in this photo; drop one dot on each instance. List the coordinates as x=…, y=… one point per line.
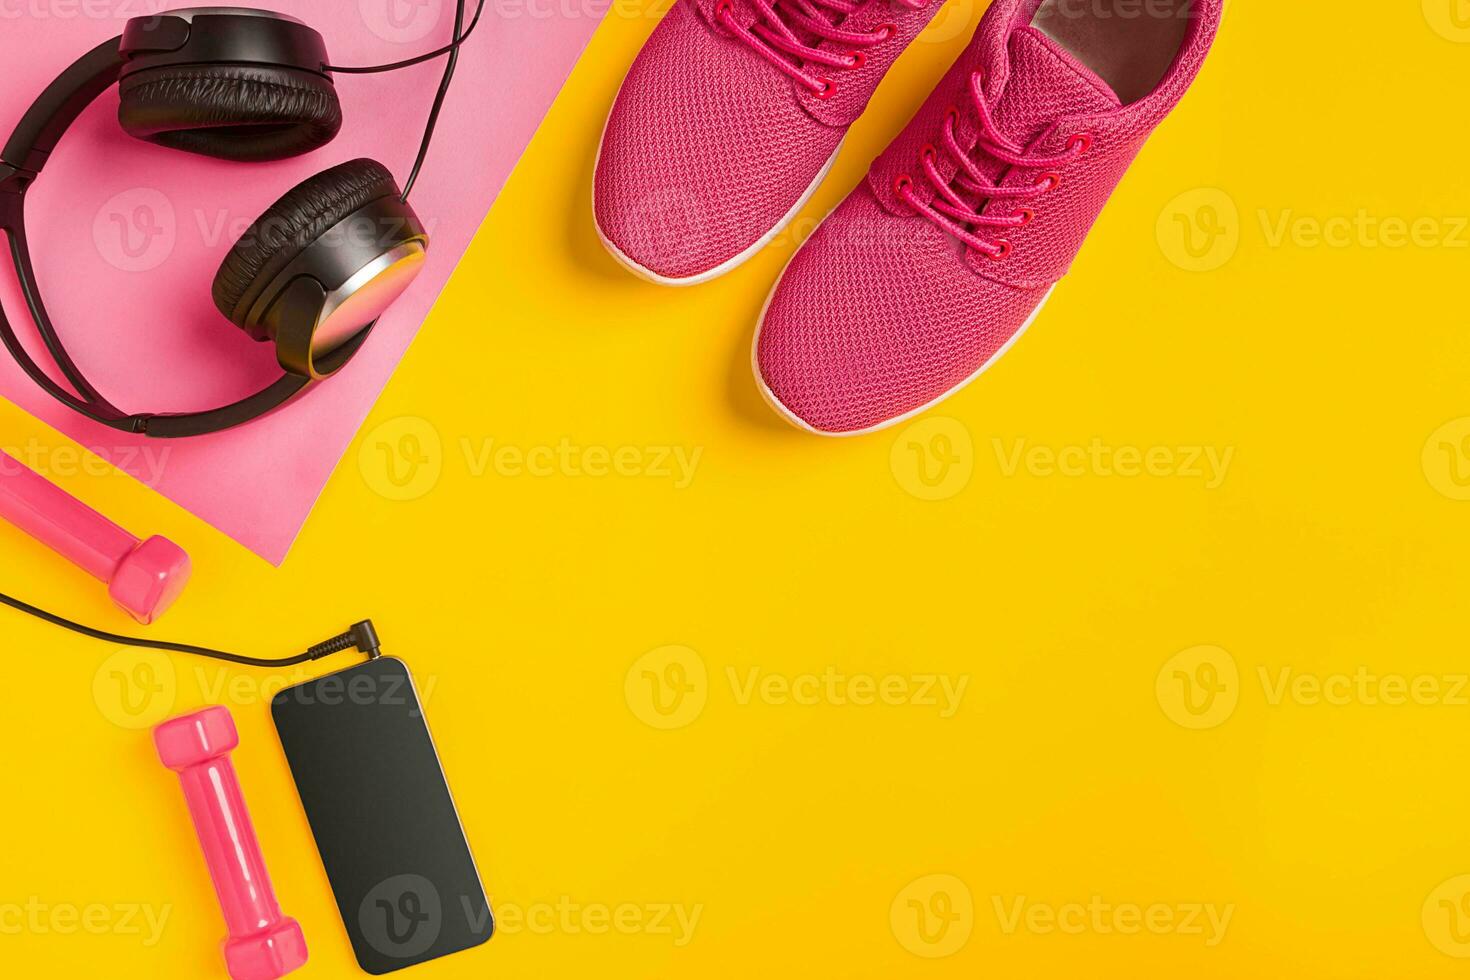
x=385, y=823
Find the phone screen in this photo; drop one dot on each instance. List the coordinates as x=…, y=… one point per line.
x=385, y=824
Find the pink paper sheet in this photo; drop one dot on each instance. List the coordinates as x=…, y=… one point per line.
x=127, y=236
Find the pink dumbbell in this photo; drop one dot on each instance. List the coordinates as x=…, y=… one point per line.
x=263, y=943
x=144, y=577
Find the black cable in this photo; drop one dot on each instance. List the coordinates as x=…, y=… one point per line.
x=449, y=66
x=362, y=637
x=420, y=59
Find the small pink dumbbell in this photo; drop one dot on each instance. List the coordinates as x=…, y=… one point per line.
x=144, y=577
x=263, y=943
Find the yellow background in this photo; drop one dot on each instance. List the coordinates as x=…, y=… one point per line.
x=1077, y=605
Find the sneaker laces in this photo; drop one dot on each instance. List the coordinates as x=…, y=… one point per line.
x=958, y=216
x=795, y=29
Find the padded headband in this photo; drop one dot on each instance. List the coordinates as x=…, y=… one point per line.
x=243, y=85
x=21, y=161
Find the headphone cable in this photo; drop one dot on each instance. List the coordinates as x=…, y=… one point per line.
x=449, y=66
x=361, y=637
x=460, y=35
x=420, y=59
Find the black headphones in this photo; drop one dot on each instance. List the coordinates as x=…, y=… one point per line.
x=315, y=272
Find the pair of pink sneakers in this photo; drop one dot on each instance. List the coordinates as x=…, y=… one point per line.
x=931, y=268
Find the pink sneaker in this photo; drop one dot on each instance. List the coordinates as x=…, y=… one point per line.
x=729, y=118
x=934, y=265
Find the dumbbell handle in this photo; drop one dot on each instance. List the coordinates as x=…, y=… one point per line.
x=144, y=577
x=65, y=524
x=263, y=943
x=230, y=847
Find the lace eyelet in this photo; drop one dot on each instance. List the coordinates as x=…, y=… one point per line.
x=724, y=7
x=928, y=152
x=952, y=115
x=902, y=183
x=1080, y=143
x=1003, y=250
x=856, y=59
x=827, y=89
x=1026, y=215
x=886, y=31
x=1049, y=182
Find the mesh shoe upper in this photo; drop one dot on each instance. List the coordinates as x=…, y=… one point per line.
x=887, y=308
x=708, y=147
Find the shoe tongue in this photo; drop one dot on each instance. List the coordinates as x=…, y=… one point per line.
x=1046, y=83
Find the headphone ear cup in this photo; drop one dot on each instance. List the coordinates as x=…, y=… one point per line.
x=234, y=112
x=301, y=216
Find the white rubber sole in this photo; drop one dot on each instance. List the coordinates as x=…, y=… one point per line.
x=803, y=425
x=729, y=265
